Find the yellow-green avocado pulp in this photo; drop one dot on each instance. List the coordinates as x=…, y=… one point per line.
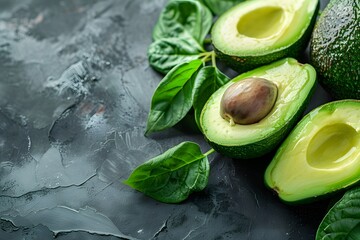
x=320, y=156
x=258, y=32
x=295, y=82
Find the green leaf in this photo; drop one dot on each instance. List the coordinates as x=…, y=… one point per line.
x=173, y=175
x=354, y=234
x=207, y=81
x=219, y=7
x=183, y=18
x=173, y=98
x=343, y=219
x=166, y=53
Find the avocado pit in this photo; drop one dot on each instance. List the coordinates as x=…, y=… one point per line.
x=248, y=101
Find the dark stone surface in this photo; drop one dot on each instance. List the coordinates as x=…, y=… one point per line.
x=75, y=90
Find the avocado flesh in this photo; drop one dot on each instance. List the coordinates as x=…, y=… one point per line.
x=295, y=84
x=320, y=156
x=335, y=49
x=258, y=32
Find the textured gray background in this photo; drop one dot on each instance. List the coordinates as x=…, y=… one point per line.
x=75, y=90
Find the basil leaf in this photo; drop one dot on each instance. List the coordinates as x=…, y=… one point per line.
x=173, y=175
x=183, y=18
x=166, y=53
x=343, y=219
x=207, y=81
x=219, y=7
x=173, y=97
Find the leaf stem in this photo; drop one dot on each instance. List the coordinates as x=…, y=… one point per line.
x=213, y=59
x=205, y=56
x=207, y=41
x=209, y=152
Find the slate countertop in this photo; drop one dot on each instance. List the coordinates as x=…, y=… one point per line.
x=75, y=90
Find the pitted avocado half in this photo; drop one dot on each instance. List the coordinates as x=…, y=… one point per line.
x=295, y=84
x=258, y=32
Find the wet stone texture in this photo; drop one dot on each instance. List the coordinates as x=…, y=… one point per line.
x=75, y=90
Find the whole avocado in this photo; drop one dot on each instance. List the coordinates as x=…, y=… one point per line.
x=335, y=48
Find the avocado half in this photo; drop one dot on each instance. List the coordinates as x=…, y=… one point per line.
x=335, y=49
x=258, y=32
x=295, y=83
x=320, y=156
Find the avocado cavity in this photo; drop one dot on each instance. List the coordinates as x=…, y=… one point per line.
x=331, y=145
x=262, y=22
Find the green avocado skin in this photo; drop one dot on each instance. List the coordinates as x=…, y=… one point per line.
x=335, y=49
x=245, y=63
x=260, y=148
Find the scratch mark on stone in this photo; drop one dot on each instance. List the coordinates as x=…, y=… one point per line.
x=207, y=217
x=62, y=219
x=128, y=4
x=249, y=229
x=49, y=189
x=257, y=200
x=103, y=11
x=97, y=234
x=162, y=228
x=198, y=227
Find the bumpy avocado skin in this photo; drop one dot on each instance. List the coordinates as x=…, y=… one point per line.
x=335, y=48
x=245, y=63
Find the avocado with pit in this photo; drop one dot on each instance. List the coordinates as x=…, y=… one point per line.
x=335, y=49
x=249, y=116
x=320, y=156
x=258, y=32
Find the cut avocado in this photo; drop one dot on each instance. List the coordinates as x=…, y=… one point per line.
x=320, y=156
x=335, y=49
x=295, y=83
x=258, y=32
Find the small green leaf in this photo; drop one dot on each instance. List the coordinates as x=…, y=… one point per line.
x=173, y=98
x=172, y=176
x=219, y=7
x=183, y=18
x=166, y=53
x=207, y=81
x=343, y=219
